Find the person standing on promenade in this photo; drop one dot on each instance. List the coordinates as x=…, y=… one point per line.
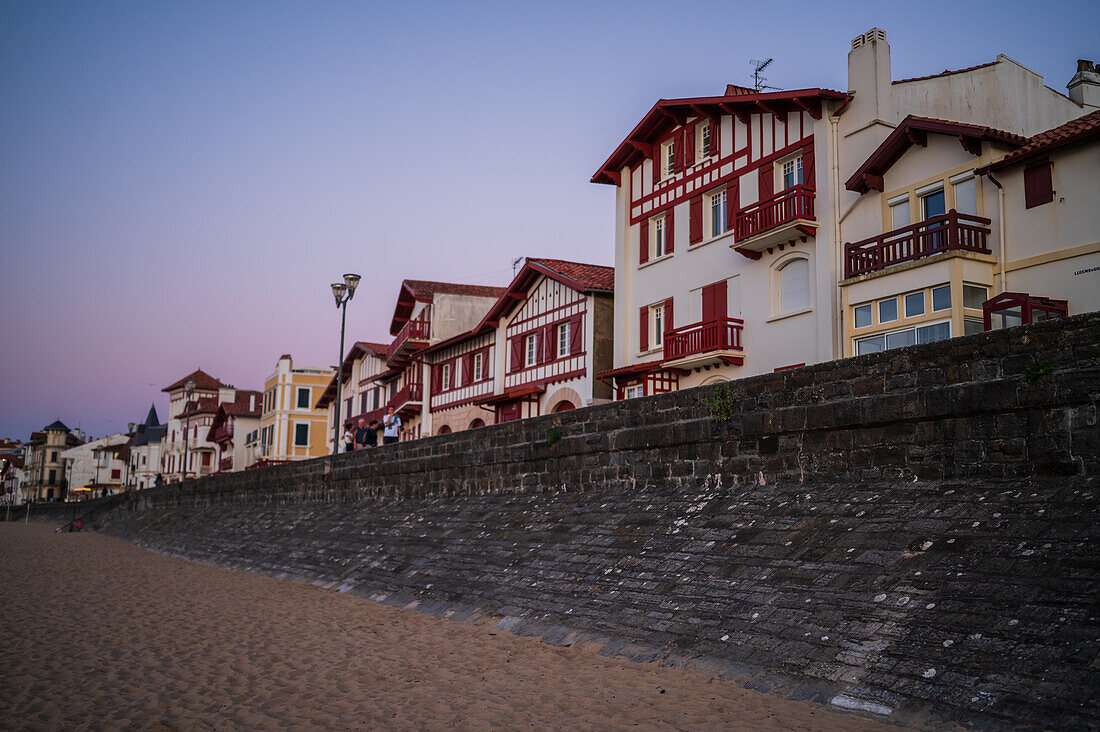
x=392, y=425
x=349, y=439
x=362, y=439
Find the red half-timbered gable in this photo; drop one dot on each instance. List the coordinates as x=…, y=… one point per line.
x=462, y=373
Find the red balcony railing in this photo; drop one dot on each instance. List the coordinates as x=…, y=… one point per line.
x=415, y=330
x=408, y=393
x=948, y=232
x=720, y=334
x=225, y=465
x=789, y=205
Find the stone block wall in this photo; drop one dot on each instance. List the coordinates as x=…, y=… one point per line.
x=911, y=533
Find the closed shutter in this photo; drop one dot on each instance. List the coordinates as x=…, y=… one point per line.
x=668, y=323
x=689, y=145
x=517, y=354
x=695, y=217
x=467, y=368
x=643, y=329
x=677, y=153
x=1038, y=185
x=714, y=301
x=767, y=182
x=670, y=229
x=549, y=336
x=656, y=164
x=643, y=241
x=809, y=171
x=437, y=378
x=576, y=339
x=486, y=365
x=733, y=203
x=715, y=135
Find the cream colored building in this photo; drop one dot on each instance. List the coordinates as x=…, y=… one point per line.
x=94, y=466
x=146, y=451
x=45, y=477
x=189, y=422
x=291, y=427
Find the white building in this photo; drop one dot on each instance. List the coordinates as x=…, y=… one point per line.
x=192, y=416
x=146, y=451
x=95, y=466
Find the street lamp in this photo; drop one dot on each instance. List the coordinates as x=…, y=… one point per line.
x=188, y=389
x=342, y=291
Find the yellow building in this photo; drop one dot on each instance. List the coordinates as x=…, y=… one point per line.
x=291, y=428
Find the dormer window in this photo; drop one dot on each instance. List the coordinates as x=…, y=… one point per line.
x=792, y=173
x=702, y=140
x=668, y=158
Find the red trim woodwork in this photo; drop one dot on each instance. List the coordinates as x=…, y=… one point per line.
x=643, y=241
x=670, y=230
x=1028, y=305
x=695, y=219
x=643, y=328
x=417, y=329
x=949, y=232
x=703, y=337
x=1038, y=184
x=794, y=203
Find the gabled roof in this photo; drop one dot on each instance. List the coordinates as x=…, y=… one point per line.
x=202, y=379
x=914, y=130
x=203, y=405
x=58, y=425
x=669, y=113
x=589, y=277
x=1076, y=130
x=414, y=291
x=947, y=72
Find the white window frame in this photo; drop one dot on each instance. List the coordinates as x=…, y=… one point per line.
x=897, y=310
x=870, y=309
x=298, y=397
x=927, y=191
x=976, y=287
x=530, y=350
x=884, y=334
x=634, y=391
x=779, y=309
x=795, y=164
x=668, y=158
x=956, y=181
x=657, y=325
x=660, y=238
x=721, y=197
x=445, y=378
x=702, y=147
x=296, y=426
x=932, y=297
x=478, y=366
x=564, y=334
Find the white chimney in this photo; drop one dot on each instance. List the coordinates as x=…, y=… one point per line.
x=251, y=402
x=1084, y=87
x=869, y=79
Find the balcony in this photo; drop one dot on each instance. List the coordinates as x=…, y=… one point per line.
x=780, y=220
x=700, y=344
x=406, y=400
x=225, y=465
x=409, y=339
x=952, y=231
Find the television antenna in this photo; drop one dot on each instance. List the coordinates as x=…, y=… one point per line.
x=758, y=79
x=515, y=264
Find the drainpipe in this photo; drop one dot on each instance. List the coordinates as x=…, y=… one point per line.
x=1000, y=226
x=838, y=245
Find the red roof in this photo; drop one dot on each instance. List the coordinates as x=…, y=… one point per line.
x=669, y=113
x=239, y=407
x=914, y=130
x=413, y=291
x=588, y=276
x=1076, y=130
x=202, y=379
x=631, y=370
x=947, y=72
x=203, y=405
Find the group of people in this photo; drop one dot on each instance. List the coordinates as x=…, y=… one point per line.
x=365, y=435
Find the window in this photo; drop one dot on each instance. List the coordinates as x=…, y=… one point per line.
x=445, y=381
x=116, y=474
x=53, y=456
x=1038, y=185
x=478, y=365
x=301, y=434
x=899, y=212
x=914, y=304
x=966, y=194
x=303, y=398
x=531, y=347
x=703, y=147
x=563, y=340
x=974, y=296
x=973, y=325
x=932, y=204
x=792, y=173
x=53, y=476
x=657, y=323
x=668, y=159
x=717, y=213
x=941, y=298
x=888, y=310
x=862, y=315
x=904, y=337
x=634, y=391
x=659, y=237
x=794, y=286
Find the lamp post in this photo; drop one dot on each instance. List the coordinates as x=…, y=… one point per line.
x=342, y=291
x=188, y=389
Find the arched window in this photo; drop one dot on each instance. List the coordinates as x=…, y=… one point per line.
x=564, y=406
x=793, y=280
x=479, y=422
x=444, y=430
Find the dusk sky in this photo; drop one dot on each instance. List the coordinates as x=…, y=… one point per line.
x=180, y=182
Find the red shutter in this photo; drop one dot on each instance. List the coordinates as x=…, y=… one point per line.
x=809, y=172
x=576, y=338
x=656, y=164
x=1038, y=185
x=767, y=181
x=733, y=202
x=714, y=301
x=437, y=378
x=670, y=227
x=668, y=324
x=549, y=336
x=689, y=145
x=643, y=329
x=467, y=368
x=517, y=354
x=677, y=153
x=486, y=365
x=695, y=217
x=715, y=135
x=643, y=241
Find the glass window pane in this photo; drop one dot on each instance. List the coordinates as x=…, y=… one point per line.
x=966, y=200
x=973, y=325
x=863, y=316
x=914, y=304
x=906, y=337
x=973, y=296
x=933, y=204
x=937, y=332
x=870, y=345
x=888, y=310
x=1006, y=318
x=941, y=298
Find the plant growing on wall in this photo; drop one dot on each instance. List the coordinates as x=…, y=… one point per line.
x=1036, y=370
x=721, y=403
x=552, y=435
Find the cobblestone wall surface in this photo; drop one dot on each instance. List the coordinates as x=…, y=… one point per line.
x=911, y=533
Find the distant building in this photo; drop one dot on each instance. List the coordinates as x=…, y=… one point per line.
x=291, y=427
x=146, y=451
x=361, y=396
x=194, y=417
x=236, y=431
x=95, y=466
x=45, y=471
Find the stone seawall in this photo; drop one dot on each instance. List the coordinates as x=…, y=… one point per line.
x=911, y=533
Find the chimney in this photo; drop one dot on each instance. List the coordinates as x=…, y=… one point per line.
x=1084, y=87
x=252, y=402
x=869, y=79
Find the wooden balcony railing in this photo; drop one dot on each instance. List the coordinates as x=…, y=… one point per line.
x=415, y=330
x=710, y=335
x=948, y=232
x=786, y=206
x=225, y=465
x=408, y=393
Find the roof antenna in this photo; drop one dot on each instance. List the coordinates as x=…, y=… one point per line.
x=515, y=263
x=758, y=79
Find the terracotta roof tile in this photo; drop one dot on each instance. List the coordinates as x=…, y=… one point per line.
x=424, y=289
x=590, y=276
x=202, y=379
x=1075, y=130
x=239, y=407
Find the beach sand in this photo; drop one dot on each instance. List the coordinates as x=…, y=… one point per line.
x=96, y=633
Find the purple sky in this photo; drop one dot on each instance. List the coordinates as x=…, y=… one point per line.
x=181, y=181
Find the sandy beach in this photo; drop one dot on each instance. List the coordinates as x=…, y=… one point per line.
x=99, y=634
